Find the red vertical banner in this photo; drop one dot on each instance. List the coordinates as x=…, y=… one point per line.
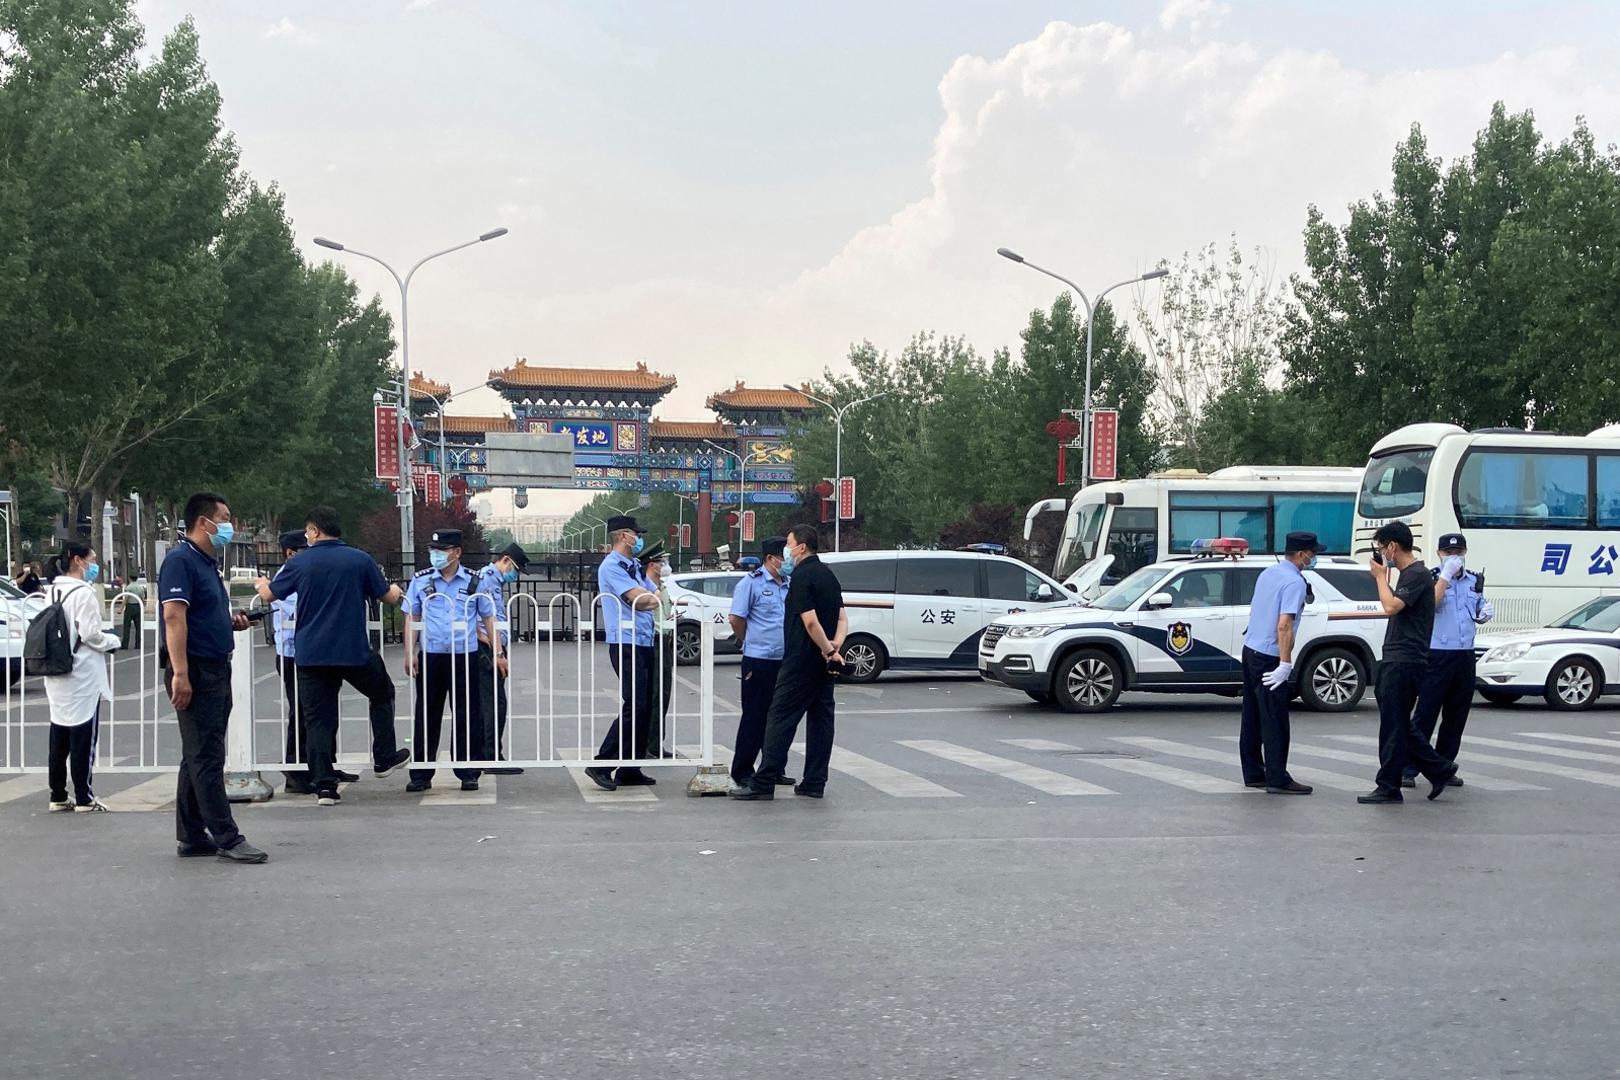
x=846, y=498
x=386, y=432
x=748, y=526
x=425, y=478
x=435, y=487
x=1104, y=444
x=686, y=536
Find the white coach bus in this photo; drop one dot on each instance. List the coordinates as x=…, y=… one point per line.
x=1541, y=513
x=1115, y=528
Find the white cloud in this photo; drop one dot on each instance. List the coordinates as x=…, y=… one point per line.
x=419, y=5
x=1197, y=15
x=283, y=27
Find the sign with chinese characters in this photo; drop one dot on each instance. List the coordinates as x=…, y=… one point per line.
x=686, y=536
x=1104, y=444
x=1555, y=559
x=587, y=435
x=425, y=478
x=386, y=432
x=946, y=617
x=846, y=497
x=748, y=526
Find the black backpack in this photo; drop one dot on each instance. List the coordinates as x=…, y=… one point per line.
x=48, y=647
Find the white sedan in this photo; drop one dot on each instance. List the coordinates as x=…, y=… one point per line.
x=1571, y=663
x=702, y=597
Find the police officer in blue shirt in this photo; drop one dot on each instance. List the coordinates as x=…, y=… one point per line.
x=493, y=670
x=626, y=598
x=445, y=602
x=1447, y=691
x=1268, y=661
x=758, y=610
x=284, y=625
x=198, y=639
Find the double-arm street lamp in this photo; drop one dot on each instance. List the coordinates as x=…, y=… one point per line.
x=1085, y=403
x=742, y=488
x=407, y=492
x=444, y=480
x=838, y=412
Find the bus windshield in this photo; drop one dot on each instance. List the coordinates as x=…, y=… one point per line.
x=1393, y=485
x=1079, y=544
x=1132, y=589
x=1601, y=615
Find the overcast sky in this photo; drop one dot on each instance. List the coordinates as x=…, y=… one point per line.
x=740, y=190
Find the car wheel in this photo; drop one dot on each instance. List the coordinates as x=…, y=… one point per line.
x=1333, y=680
x=688, y=645
x=1499, y=697
x=1088, y=681
x=864, y=659
x=1045, y=697
x=1574, y=684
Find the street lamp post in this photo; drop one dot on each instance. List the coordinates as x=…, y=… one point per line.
x=838, y=448
x=600, y=522
x=1085, y=404
x=444, y=480
x=742, y=488
x=407, y=493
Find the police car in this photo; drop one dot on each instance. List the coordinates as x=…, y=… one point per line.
x=698, y=598
x=1571, y=663
x=1177, y=626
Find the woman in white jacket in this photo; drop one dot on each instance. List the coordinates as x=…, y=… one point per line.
x=76, y=697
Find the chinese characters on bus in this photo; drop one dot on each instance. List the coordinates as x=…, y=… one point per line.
x=1555, y=559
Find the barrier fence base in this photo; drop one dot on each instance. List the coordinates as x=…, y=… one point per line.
x=247, y=787
x=709, y=780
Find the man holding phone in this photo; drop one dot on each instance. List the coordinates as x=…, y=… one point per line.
x=1447, y=693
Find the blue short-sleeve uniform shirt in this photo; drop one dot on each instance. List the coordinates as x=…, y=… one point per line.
x=448, y=610
x=491, y=585
x=192, y=578
x=617, y=575
x=332, y=581
x=1454, y=625
x=1280, y=590
x=284, y=621
x=762, y=600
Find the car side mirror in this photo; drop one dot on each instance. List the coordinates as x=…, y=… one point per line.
x=1044, y=592
x=1071, y=586
x=1159, y=600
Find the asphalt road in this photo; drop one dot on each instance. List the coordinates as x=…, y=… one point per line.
x=990, y=889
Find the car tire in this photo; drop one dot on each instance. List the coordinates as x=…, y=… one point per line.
x=1500, y=697
x=864, y=658
x=1333, y=680
x=1089, y=680
x=1045, y=697
x=1575, y=683
x=688, y=644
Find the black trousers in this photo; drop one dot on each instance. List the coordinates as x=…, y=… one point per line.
x=803, y=689
x=1447, y=693
x=131, y=625
x=1399, y=740
x=297, y=749
x=1264, y=732
x=72, y=749
x=660, y=691
x=201, y=810
x=441, y=676
x=627, y=738
x=492, y=702
x=758, y=687
x=318, y=688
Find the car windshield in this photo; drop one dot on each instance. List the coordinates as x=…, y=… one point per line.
x=10, y=591
x=1394, y=484
x=1079, y=544
x=1602, y=614
x=1132, y=589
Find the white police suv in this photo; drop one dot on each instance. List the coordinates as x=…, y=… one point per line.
x=1571, y=663
x=1177, y=626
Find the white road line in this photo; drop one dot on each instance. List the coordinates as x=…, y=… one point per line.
x=452, y=795
x=153, y=794
x=1583, y=740
x=1567, y=772
x=23, y=786
x=924, y=711
x=885, y=778
x=1168, y=774
x=719, y=702
x=1474, y=779
x=1545, y=751
x=587, y=787
x=1320, y=777
x=1053, y=783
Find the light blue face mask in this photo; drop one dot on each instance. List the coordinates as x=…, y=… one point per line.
x=1312, y=564
x=92, y=572
x=509, y=575
x=641, y=542
x=224, y=532
x=439, y=559
x=787, y=562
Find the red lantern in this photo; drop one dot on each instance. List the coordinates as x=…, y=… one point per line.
x=824, y=489
x=732, y=518
x=458, y=485
x=674, y=531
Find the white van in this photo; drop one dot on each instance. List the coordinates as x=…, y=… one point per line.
x=925, y=610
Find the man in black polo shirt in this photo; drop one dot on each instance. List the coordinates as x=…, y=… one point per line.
x=198, y=640
x=333, y=582
x=1410, y=607
x=812, y=647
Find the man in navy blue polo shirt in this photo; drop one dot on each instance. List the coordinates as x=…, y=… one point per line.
x=333, y=582
x=198, y=629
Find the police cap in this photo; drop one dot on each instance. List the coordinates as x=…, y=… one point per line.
x=294, y=540
x=773, y=545
x=516, y=553
x=1301, y=541
x=1452, y=541
x=445, y=538
x=653, y=554
x=620, y=522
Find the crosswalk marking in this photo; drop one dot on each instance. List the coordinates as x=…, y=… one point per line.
x=22, y=786
x=152, y=794
x=1584, y=740
x=1567, y=772
x=885, y=778
x=1169, y=774
x=1477, y=779
x=1544, y=751
x=1053, y=783
x=452, y=795
x=593, y=794
x=1319, y=777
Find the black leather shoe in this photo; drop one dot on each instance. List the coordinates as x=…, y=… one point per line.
x=1408, y=781
x=400, y=759
x=750, y=793
x=469, y=785
x=195, y=851
x=805, y=791
x=345, y=777
x=635, y=779
x=1454, y=781
x=1437, y=786
x=243, y=852
x=785, y=781
x=418, y=785
x=1254, y=783
x=603, y=778
x=1293, y=787
x=298, y=787
x=1378, y=797
x=503, y=771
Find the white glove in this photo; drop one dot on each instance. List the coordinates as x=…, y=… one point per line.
x=1277, y=676
x=1451, y=567
x=1486, y=612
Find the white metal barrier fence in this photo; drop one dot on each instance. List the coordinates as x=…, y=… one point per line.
x=563, y=701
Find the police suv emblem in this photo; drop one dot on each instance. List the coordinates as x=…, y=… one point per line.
x=1180, y=639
